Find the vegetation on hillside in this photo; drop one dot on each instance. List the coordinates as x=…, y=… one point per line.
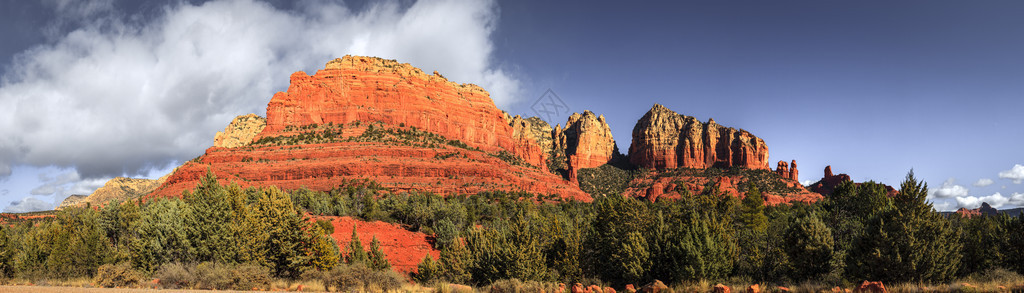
x=493, y=237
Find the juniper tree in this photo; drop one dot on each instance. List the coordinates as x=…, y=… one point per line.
x=377, y=260
x=809, y=246
x=356, y=253
x=908, y=242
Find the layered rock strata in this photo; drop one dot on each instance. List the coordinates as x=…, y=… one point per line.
x=664, y=139
x=368, y=89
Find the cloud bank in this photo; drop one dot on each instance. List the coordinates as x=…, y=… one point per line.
x=996, y=200
x=121, y=94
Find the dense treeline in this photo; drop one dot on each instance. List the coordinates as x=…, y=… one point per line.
x=857, y=233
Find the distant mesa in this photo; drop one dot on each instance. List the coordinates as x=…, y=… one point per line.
x=985, y=209
x=664, y=139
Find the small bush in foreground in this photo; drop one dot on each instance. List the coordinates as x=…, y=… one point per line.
x=117, y=275
x=359, y=277
x=215, y=276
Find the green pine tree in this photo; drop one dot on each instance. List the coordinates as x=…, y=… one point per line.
x=427, y=270
x=909, y=242
x=455, y=262
x=356, y=253
x=377, y=260
x=809, y=245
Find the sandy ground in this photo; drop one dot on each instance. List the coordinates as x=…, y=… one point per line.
x=48, y=289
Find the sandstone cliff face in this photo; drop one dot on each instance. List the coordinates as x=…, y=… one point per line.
x=118, y=189
x=367, y=89
x=586, y=141
x=664, y=139
x=242, y=130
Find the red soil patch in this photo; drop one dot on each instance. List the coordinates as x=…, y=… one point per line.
x=404, y=249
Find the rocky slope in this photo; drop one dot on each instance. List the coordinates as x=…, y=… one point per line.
x=118, y=189
x=664, y=139
x=240, y=132
x=370, y=118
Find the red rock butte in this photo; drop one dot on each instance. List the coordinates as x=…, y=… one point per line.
x=371, y=118
x=664, y=139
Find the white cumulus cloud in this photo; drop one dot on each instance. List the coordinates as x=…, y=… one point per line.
x=1016, y=174
x=983, y=182
x=119, y=94
x=950, y=190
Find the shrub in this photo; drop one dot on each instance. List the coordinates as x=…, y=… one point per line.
x=359, y=277
x=427, y=270
x=117, y=275
x=174, y=276
x=249, y=276
x=209, y=275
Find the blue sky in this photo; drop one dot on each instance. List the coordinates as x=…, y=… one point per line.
x=94, y=89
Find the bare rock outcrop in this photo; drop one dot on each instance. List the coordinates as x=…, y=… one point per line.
x=787, y=170
x=242, y=130
x=116, y=190
x=664, y=139
x=71, y=200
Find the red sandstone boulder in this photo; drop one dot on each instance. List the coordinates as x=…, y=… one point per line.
x=594, y=289
x=871, y=287
x=655, y=287
x=719, y=288
x=755, y=288
x=577, y=288
x=630, y=288
x=664, y=139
